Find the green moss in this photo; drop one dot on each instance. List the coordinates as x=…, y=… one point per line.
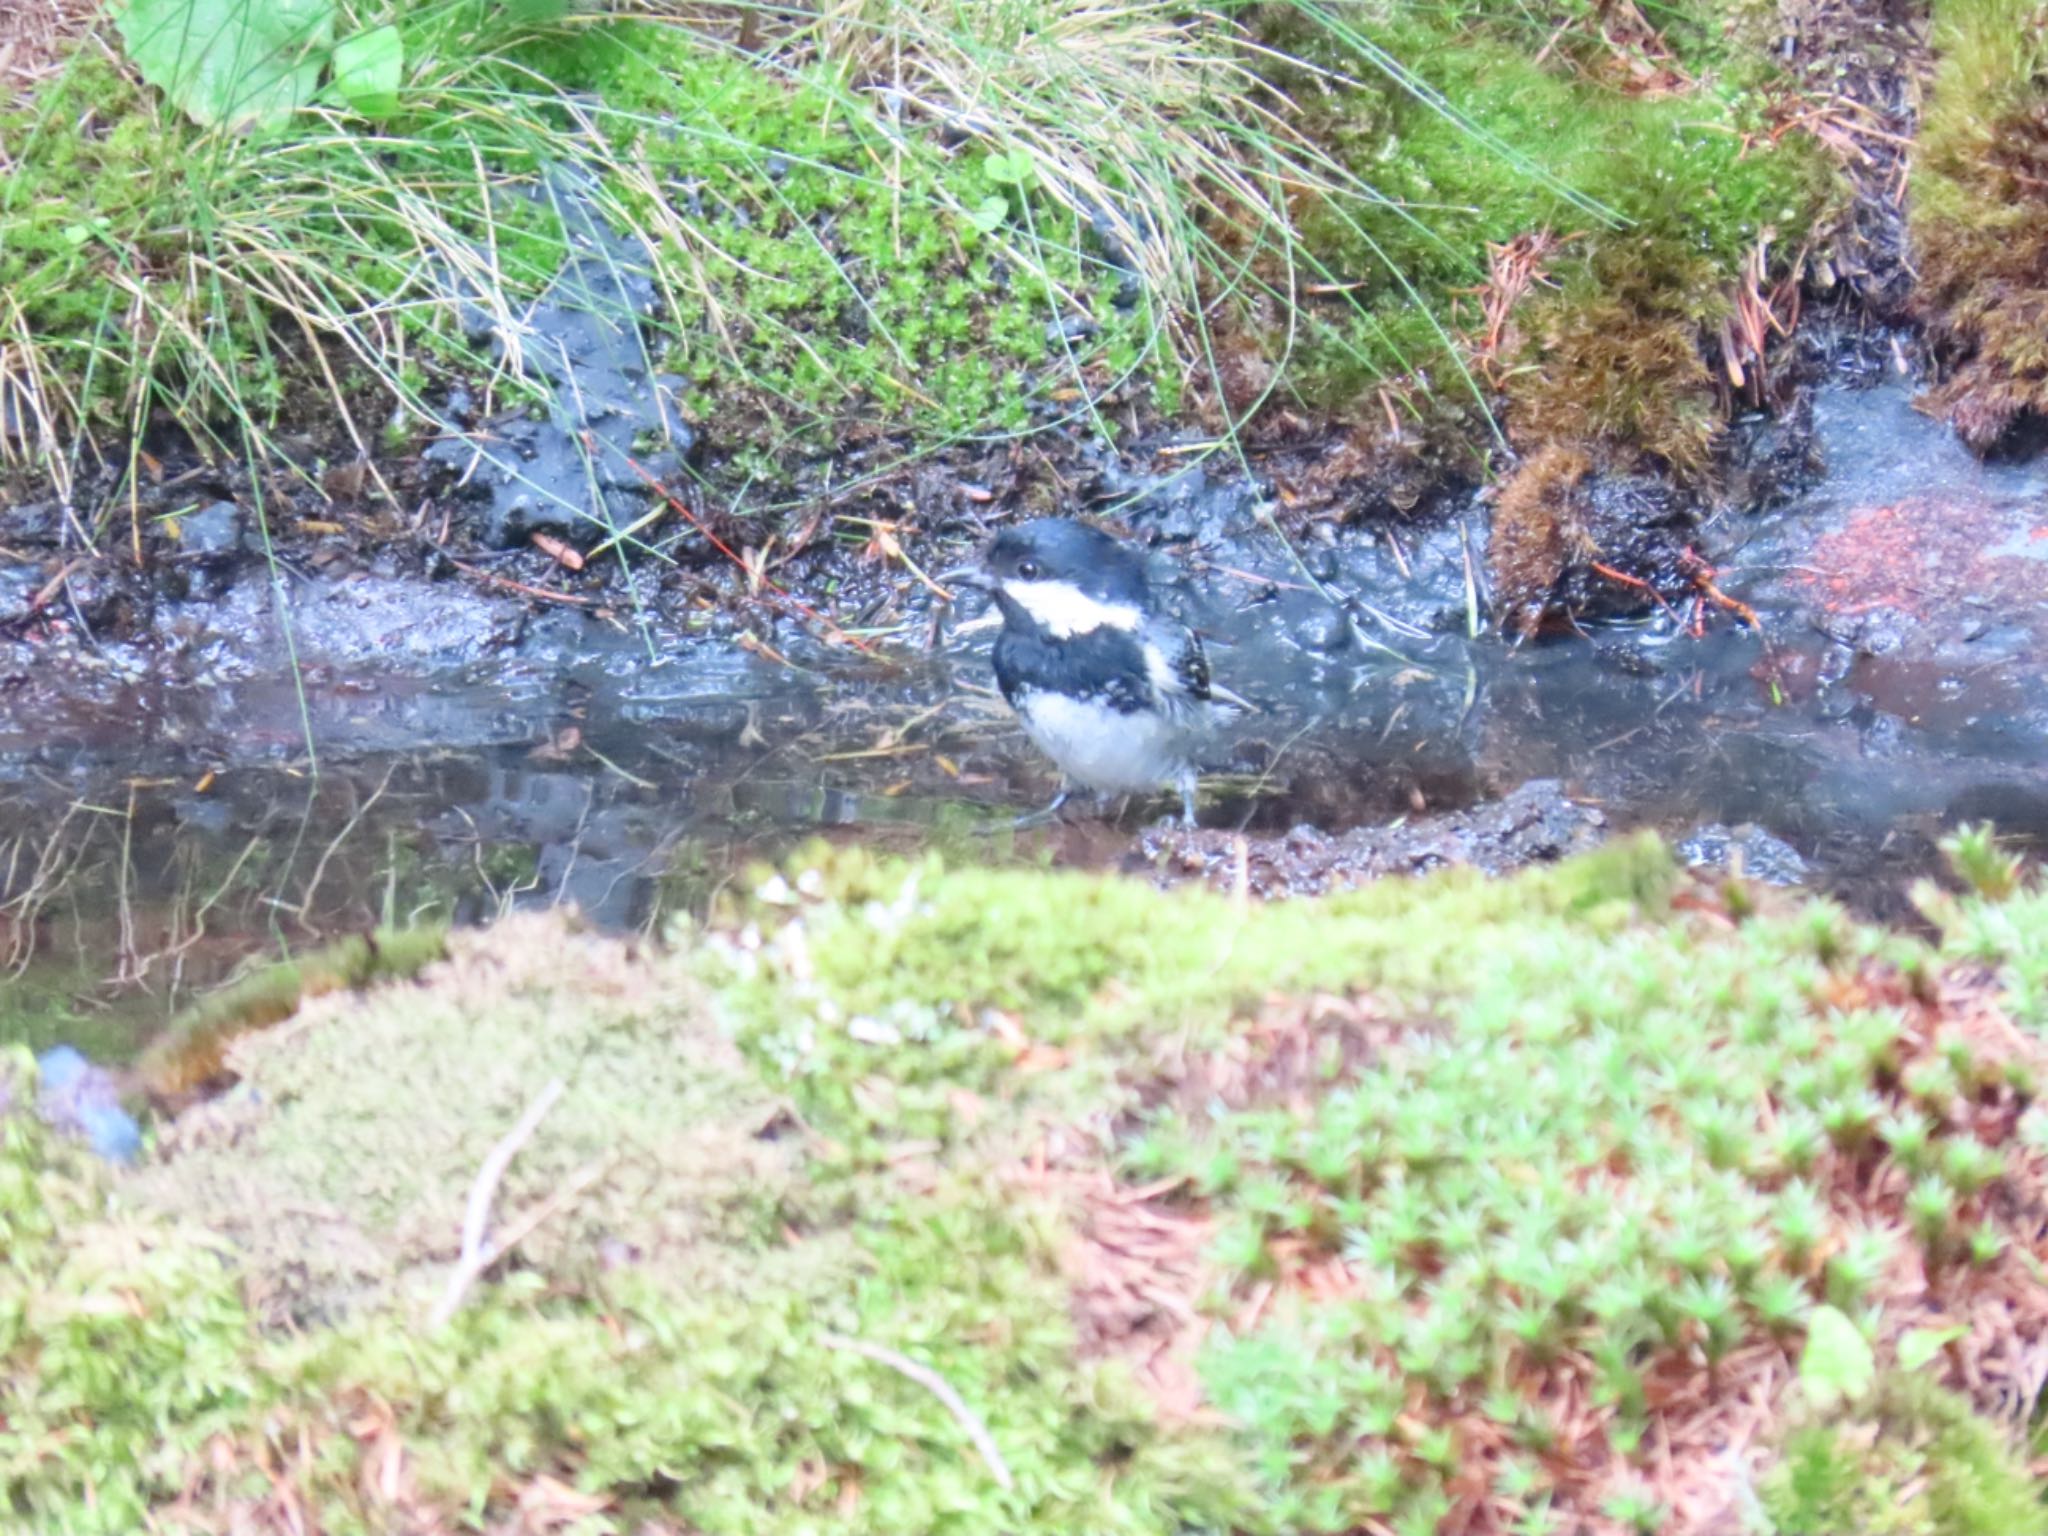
x=191, y=1052
x=1979, y=209
x=1915, y=1462
x=806, y=249
x=1658, y=198
x=895, y=968
x=665, y=1343
x=1462, y=1146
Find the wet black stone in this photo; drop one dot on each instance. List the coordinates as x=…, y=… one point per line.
x=19, y=585
x=33, y=523
x=214, y=531
x=1326, y=628
x=518, y=474
x=1747, y=849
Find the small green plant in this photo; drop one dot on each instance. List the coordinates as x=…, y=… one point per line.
x=1975, y=856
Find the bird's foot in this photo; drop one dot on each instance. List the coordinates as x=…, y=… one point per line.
x=1043, y=815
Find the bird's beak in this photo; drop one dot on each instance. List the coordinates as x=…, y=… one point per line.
x=970, y=576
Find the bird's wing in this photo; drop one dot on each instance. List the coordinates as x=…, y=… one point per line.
x=1179, y=667
x=1218, y=694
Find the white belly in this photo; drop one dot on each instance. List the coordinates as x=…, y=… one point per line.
x=1101, y=749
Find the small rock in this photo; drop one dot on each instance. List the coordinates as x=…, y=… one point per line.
x=1073, y=328
x=1325, y=628
x=19, y=585
x=213, y=531
x=33, y=523
x=1746, y=850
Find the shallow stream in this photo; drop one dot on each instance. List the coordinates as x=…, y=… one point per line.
x=161, y=818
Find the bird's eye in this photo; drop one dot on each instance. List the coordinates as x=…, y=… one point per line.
x=1028, y=569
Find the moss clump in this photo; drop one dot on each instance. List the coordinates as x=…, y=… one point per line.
x=1913, y=1462
x=1654, y=194
x=1979, y=215
x=1507, y=1186
x=341, y=1160
x=895, y=973
x=661, y=1348
x=1614, y=357
x=192, y=1053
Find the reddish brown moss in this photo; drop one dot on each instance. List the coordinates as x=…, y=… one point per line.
x=1541, y=527
x=1619, y=360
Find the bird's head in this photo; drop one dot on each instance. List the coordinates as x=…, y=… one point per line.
x=1063, y=577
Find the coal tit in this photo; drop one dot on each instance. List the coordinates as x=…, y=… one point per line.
x=1109, y=686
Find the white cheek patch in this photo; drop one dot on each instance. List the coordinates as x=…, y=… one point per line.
x=1063, y=610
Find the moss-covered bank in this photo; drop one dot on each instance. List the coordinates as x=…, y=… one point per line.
x=905, y=1198
x=966, y=219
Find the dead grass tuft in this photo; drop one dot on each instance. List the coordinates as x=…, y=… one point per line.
x=34, y=36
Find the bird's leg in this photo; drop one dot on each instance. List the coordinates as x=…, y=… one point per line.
x=1187, y=799
x=1039, y=818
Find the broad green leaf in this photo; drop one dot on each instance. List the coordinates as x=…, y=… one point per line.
x=240, y=63
x=1838, y=1366
x=536, y=13
x=1013, y=169
x=368, y=68
x=1920, y=1345
x=990, y=213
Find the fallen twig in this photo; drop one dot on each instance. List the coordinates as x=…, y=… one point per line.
x=478, y=1253
x=55, y=584
x=939, y=1387
x=784, y=599
x=521, y=587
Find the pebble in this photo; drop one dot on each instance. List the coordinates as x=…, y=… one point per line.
x=1324, y=628
x=1762, y=855
x=215, y=529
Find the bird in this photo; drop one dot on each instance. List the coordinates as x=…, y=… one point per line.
x=1106, y=683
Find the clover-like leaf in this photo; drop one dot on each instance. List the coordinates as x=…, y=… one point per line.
x=989, y=214
x=1920, y=1345
x=1011, y=169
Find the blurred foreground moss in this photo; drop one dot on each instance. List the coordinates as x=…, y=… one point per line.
x=1457, y=1200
